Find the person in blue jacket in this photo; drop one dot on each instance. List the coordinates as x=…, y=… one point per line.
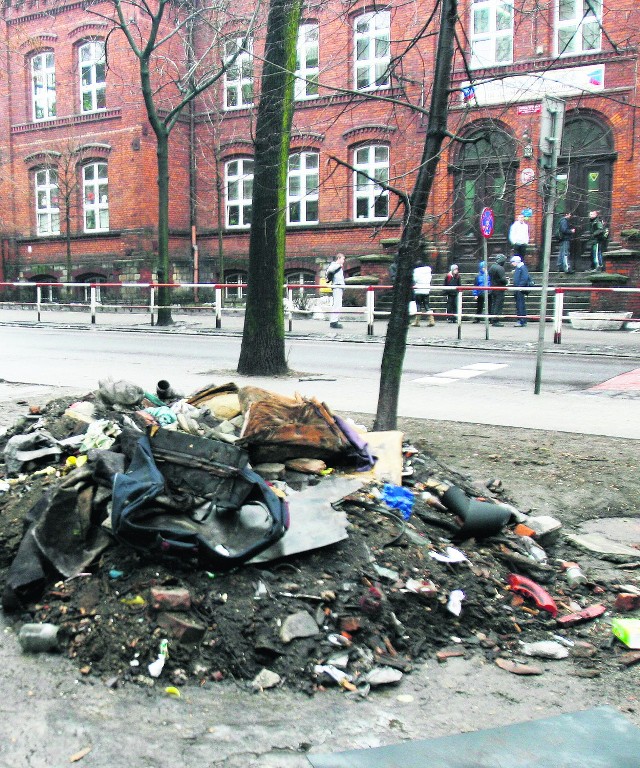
x=521, y=280
x=481, y=279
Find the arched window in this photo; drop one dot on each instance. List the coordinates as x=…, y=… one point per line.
x=95, y=196
x=484, y=174
x=47, y=203
x=370, y=200
x=239, y=277
x=43, y=85
x=302, y=188
x=372, y=52
x=48, y=292
x=88, y=278
x=239, y=192
x=93, y=73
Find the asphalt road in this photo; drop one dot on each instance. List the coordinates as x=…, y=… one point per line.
x=463, y=384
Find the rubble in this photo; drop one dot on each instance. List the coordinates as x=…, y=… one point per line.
x=378, y=571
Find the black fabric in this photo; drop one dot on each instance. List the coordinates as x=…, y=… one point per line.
x=197, y=537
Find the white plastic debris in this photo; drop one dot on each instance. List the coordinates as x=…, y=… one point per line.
x=451, y=555
x=454, y=605
x=546, y=649
x=333, y=673
x=383, y=676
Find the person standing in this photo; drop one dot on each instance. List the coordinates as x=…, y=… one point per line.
x=498, y=279
x=335, y=276
x=521, y=281
x=421, y=289
x=597, y=238
x=565, y=231
x=481, y=279
x=452, y=280
x=519, y=236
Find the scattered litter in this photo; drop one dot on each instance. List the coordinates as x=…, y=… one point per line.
x=627, y=631
x=451, y=555
x=545, y=649
x=454, y=604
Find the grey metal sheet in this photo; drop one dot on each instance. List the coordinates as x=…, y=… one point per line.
x=594, y=738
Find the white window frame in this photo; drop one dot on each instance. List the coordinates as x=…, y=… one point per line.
x=239, y=75
x=303, y=184
x=238, y=177
x=47, y=195
x=485, y=44
x=95, y=197
x=307, y=51
x=371, y=70
x=43, y=85
x=93, y=76
x=582, y=19
x=367, y=159
x=240, y=278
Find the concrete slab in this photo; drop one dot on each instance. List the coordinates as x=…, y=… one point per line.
x=596, y=738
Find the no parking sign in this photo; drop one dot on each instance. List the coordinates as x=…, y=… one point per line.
x=486, y=222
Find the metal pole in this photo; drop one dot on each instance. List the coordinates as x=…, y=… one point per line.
x=555, y=112
x=485, y=295
x=370, y=308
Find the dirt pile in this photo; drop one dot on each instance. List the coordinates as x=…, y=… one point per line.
x=360, y=613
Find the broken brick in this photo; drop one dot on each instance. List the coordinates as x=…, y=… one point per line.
x=180, y=627
x=626, y=601
x=592, y=612
x=448, y=653
x=171, y=599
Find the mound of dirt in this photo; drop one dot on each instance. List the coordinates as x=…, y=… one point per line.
x=359, y=613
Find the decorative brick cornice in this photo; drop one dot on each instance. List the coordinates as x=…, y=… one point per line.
x=310, y=138
x=61, y=122
x=43, y=157
x=244, y=145
x=95, y=27
x=52, y=10
x=41, y=40
x=368, y=128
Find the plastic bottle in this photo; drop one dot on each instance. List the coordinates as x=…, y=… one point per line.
x=38, y=638
x=573, y=574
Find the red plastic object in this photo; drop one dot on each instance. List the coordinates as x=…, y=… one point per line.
x=529, y=587
x=591, y=612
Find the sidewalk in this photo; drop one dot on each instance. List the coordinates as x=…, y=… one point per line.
x=624, y=343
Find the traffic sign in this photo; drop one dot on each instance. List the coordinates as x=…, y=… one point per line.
x=486, y=222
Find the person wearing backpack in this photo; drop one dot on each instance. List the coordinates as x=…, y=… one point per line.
x=335, y=277
x=565, y=231
x=481, y=279
x=598, y=234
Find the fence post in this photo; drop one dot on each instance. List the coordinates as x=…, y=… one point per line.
x=290, y=307
x=370, y=298
x=459, y=312
x=38, y=300
x=218, y=306
x=558, y=309
x=92, y=301
x=152, y=303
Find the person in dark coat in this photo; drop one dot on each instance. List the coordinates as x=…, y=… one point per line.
x=497, y=279
x=597, y=240
x=520, y=280
x=451, y=280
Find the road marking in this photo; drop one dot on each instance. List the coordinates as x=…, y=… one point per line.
x=459, y=374
x=622, y=383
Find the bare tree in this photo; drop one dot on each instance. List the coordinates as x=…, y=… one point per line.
x=173, y=72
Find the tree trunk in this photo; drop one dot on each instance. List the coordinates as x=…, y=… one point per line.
x=164, y=297
x=262, y=351
x=408, y=253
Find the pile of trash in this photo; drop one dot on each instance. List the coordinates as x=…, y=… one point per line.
x=237, y=534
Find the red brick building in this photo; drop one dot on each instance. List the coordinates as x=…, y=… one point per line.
x=74, y=136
